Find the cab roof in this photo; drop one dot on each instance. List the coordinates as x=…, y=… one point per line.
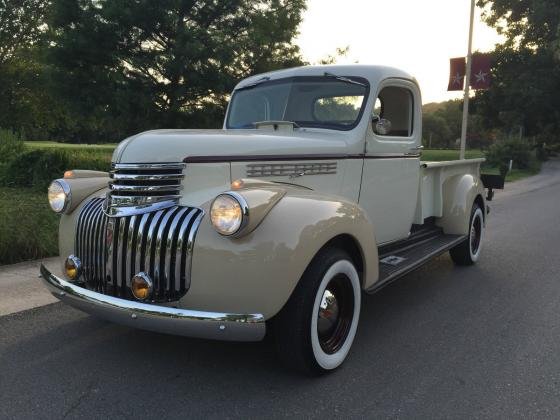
x=372, y=73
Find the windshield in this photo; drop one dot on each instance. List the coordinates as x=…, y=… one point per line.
x=322, y=101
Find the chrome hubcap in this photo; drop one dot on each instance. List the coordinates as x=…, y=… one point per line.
x=336, y=312
x=328, y=313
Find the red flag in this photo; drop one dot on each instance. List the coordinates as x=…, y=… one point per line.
x=480, y=71
x=457, y=69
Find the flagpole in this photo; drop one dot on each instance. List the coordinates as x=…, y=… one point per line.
x=467, y=87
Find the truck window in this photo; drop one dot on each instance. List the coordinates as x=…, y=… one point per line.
x=309, y=101
x=395, y=109
x=339, y=109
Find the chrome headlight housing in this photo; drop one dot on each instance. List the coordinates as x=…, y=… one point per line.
x=229, y=213
x=59, y=195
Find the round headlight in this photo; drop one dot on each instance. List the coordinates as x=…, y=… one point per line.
x=229, y=213
x=59, y=195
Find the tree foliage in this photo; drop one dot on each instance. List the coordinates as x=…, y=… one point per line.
x=526, y=71
x=121, y=66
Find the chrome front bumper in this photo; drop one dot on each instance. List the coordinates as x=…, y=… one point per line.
x=212, y=325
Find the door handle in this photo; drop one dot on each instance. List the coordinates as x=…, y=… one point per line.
x=416, y=148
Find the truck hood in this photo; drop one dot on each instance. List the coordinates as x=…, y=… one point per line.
x=176, y=145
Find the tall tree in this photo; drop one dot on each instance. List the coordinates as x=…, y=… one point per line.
x=524, y=95
x=127, y=65
x=21, y=25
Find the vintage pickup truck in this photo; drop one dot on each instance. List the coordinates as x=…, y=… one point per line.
x=313, y=192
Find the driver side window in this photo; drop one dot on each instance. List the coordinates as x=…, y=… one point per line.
x=393, y=112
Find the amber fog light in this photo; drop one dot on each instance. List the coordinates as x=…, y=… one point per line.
x=73, y=267
x=141, y=286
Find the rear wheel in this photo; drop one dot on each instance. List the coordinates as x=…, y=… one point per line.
x=468, y=252
x=316, y=328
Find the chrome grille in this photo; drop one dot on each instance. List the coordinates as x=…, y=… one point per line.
x=113, y=249
x=137, y=188
x=290, y=169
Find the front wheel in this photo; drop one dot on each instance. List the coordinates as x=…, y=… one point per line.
x=316, y=328
x=468, y=252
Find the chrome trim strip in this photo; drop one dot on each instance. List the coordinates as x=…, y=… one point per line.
x=145, y=188
x=147, y=166
x=146, y=177
x=186, y=322
x=120, y=209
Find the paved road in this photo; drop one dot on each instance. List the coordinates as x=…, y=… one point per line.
x=443, y=342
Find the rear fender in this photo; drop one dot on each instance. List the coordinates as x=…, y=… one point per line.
x=459, y=193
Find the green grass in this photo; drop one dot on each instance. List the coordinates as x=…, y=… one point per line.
x=29, y=228
x=109, y=147
x=439, y=155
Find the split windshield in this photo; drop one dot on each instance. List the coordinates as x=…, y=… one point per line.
x=319, y=101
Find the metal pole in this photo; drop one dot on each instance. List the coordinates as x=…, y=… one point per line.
x=467, y=87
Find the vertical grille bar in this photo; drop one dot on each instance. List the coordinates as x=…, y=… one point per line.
x=121, y=243
x=179, y=259
x=130, y=254
x=170, y=252
x=150, y=243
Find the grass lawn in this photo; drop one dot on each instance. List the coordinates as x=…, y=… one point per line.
x=109, y=147
x=439, y=155
x=29, y=228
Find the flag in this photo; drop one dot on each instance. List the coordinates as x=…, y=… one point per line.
x=480, y=71
x=457, y=69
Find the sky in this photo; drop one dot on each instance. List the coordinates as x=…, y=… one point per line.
x=419, y=36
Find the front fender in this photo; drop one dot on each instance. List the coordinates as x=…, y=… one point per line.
x=459, y=193
x=259, y=271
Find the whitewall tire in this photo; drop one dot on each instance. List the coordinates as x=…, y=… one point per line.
x=316, y=328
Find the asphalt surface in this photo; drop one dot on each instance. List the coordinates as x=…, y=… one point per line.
x=443, y=342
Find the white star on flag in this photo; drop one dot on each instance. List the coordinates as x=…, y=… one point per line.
x=480, y=76
x=457, y=79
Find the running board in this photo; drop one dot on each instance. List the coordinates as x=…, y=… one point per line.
x=394, y=263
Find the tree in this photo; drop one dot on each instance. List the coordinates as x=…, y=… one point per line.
x=524, y=95
x=21, y=25
x=122, y=66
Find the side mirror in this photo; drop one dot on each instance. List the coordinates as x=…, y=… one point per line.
x=383, y=126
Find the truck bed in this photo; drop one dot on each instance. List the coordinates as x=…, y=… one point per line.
x=432, y=177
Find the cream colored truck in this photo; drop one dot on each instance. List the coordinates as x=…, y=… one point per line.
x=312, y=193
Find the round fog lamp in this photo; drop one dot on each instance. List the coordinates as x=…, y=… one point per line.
x=72, y=267
x=141, y=286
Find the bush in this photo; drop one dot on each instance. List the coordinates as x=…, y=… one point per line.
x=36, y=168
x=11, y=146
x=29, y=228
x=499, y=155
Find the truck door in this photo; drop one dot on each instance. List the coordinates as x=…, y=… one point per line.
x=391, y=171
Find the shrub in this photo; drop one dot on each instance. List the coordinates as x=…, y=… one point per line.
x=36, y=168
x=11, y=146
x=499, y=155
x=29, y=228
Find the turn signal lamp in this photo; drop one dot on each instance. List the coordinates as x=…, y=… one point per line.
x=141, y=286
x=72, y=267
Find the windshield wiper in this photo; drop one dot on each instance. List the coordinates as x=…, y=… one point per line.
x=255, y=83
x=345, y=79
